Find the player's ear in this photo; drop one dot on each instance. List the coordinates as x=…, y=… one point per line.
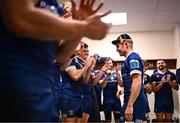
x=126, y=44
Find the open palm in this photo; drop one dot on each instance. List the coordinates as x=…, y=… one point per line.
x=85, y=9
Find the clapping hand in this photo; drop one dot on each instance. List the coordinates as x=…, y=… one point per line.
x=85, y=9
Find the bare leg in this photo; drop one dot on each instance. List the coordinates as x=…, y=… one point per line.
x=85, y=118
x=160, y=117
x=68, y=120
x=168, y=117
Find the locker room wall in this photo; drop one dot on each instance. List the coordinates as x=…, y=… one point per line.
x=150, y=45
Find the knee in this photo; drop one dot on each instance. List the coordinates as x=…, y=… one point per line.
x=160, y=117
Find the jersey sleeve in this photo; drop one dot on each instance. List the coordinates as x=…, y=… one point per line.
x=72, y=66
x=103, y=76
x=178, y=76
x=147, y=79
x=153, y=78
x=135, y=65
x=173, y=77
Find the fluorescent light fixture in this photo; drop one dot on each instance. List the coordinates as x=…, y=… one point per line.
x=116, y=18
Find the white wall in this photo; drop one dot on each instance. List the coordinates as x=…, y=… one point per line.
x=177, y=48
x=177, y=43
x=150, y=45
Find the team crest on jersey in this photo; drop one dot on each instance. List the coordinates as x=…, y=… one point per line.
x=134, y=64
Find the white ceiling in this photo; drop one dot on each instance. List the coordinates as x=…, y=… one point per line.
x=146, y=15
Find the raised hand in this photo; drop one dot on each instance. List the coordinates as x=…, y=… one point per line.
x=118, y=94
x=89, y=62
x=116, y=69
x=96, y=29
x=163, y=80
x=104, y=68
x=85, y=9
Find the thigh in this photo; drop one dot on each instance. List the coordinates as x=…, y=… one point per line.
x=160, y=105
x=87, y=104
x=68, y=120
x=95, y=114
x=168, y=117
x=160, y=117
x=117, y=109
x=139, y=112
x=169, y=106
x=108, y=108
x=71, y=106
x=85, y=118
x=117, y=105
x=77, y=120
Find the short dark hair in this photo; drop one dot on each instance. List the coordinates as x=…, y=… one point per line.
x=145, y=62
x=161, y=60
x=108, y=58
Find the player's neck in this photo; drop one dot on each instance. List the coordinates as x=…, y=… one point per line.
x=163, y=71
x=128, y=53
x=81, y=58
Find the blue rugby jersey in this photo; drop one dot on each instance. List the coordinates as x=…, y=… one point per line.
x=71, y=87
x=112, y=86
x=147, y=80
x=25, y=59
x=166, y=90
x=87, y=88
x=57, y=82
x=132, y=64
x=26, y=68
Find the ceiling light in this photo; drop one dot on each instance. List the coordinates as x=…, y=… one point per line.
x=116, y=18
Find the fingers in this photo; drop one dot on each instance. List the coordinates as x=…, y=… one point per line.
x=109, y=25
x=98, y=7
x=129, y=113
x=91, y=3
x=107, y=12
x=129, y=117
x=74, y=5
x=163, y=79
x=82, y=3
x=88, y=2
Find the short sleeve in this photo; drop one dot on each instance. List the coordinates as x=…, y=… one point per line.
x=135, y=65
x=153, y=78
x=71, y=66
x=173, y=77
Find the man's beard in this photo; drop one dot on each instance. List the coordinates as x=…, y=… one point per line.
x=161, y=67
